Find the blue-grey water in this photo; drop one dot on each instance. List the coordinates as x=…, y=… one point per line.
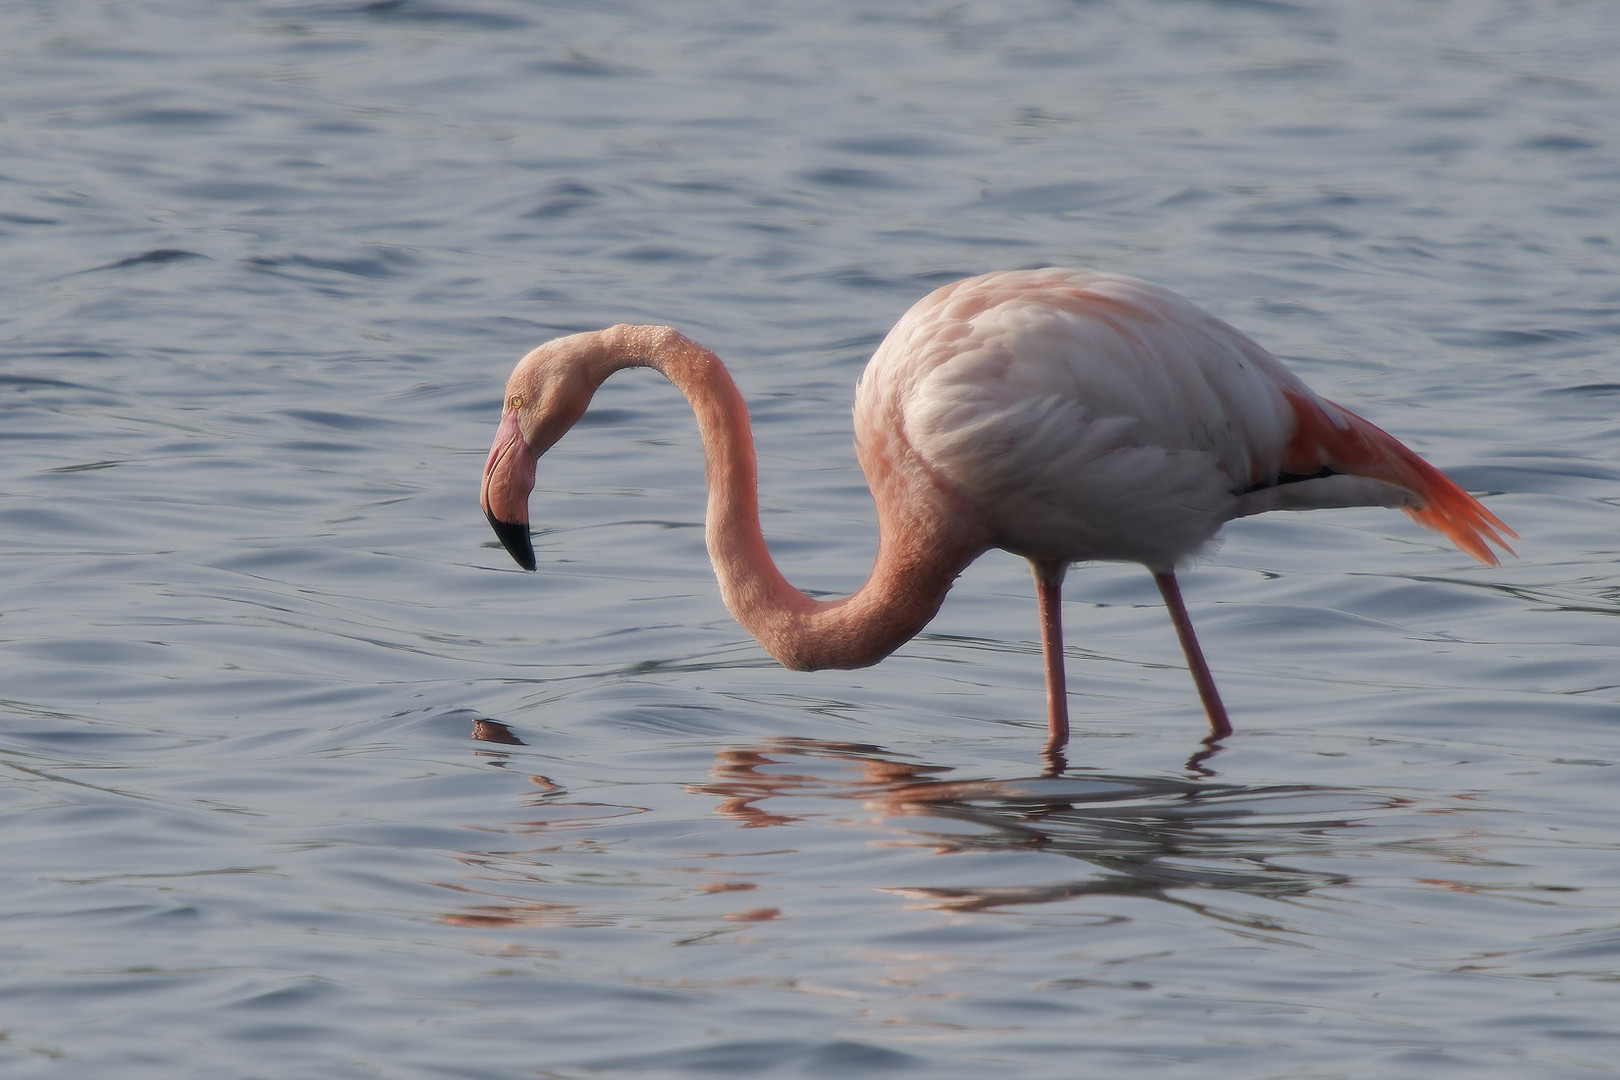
x=264, y=267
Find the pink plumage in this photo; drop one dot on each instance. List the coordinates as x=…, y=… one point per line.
x=1095, y=416
x=1063, y=415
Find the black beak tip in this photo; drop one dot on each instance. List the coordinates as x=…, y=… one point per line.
x=514, y=537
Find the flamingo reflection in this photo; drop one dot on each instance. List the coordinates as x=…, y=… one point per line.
x=1151, y=836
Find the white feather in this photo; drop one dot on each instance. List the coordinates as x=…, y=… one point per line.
x=1090, y=416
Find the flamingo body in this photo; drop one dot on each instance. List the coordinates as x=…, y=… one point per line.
x=1062, y=415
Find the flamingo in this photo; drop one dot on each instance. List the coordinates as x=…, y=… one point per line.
x=1062, y=415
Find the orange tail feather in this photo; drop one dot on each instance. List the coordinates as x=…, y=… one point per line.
x=1328, y=435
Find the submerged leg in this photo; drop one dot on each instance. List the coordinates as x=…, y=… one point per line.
x=1219, y=726
x=1049, y=593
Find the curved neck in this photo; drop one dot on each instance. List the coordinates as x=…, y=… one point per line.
x=920, y=551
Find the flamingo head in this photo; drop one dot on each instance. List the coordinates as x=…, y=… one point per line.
x=548, y=391
x=508, y=480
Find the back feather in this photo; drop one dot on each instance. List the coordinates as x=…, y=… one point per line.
x=1327, y=435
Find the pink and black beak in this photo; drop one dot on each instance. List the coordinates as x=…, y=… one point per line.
x=508, y=481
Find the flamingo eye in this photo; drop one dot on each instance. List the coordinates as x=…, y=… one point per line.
x=515, y=401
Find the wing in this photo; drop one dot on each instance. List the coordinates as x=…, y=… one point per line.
x=1094, y=416
x=1085, y=416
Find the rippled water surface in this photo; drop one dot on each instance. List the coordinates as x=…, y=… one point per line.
x=305, y=779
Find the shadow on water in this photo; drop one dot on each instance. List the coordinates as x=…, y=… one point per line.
x=1159, y=837
x=1139, y=835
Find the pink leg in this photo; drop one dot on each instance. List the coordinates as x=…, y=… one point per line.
x=1220, y=727
x=1049, y=593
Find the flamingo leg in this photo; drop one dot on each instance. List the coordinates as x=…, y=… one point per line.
x=1049, y=594
x=1169, y=588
